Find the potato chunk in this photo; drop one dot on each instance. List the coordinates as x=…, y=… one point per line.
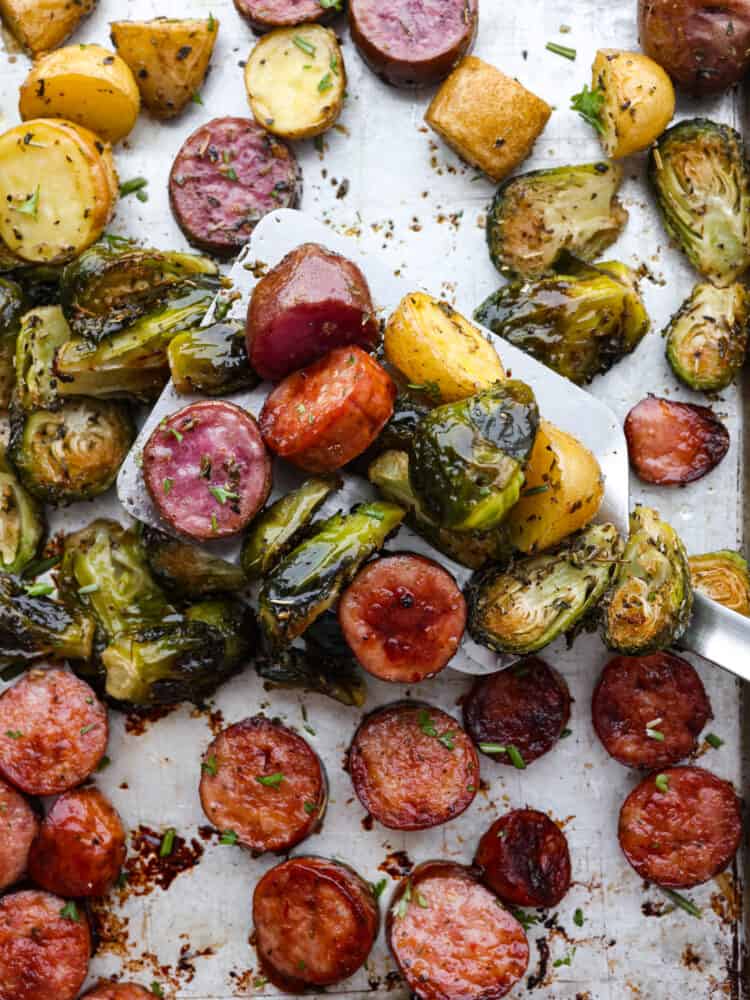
x=41, y=25
x=638, y=100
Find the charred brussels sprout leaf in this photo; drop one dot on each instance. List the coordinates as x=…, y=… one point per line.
x=188, y=570
x=34, y=627
x=310, y=578
x=467, y=457
x=536, y=217
x=41, y=283
x=211, y=359
x=650, y=603
x=707, y=338
x=21, y=522
x=723, y=576
x=43, y=331
x=313, y=669
x=11, y=308
x=702, y=183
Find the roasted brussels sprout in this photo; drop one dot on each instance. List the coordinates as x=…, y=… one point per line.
x=651, y=600
x=310, y=578
x=523, y=608
x=211, y=359
x=702, y=183
x=21, y=522
x=32, y=626
x=43, y=331
x=577, y=324
x=707, y=337
x=536, y=217
x=467, y=458
x=187, y=570
x=315, y=669
x=723, y=576
x=11, y=308
x=72, y=453
x=40, y=283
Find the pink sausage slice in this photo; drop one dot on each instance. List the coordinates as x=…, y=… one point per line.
x=18, y=827
x=263, y=15
x=118, y=991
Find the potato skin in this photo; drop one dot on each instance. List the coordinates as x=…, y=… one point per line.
x=639, y=100
x=41, y=25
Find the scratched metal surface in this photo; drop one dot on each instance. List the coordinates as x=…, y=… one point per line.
x=386, y=182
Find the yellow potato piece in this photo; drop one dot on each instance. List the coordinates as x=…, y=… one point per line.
x=563, y=491
x=430, y=343
x=639, y=100
x=41, y=25
x=295, y=81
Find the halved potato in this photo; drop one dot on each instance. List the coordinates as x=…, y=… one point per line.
x=41, y=25
x=638, y=103
x=169, y=58
x=85, y=84
x=295, y=81
x=58, y=187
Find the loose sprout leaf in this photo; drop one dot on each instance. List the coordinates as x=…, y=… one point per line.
x=714, y=741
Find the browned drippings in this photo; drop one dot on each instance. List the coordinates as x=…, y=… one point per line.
x=396, y=864
x=147, y=870
x=137, y=722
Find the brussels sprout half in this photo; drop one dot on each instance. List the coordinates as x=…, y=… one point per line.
x=11, y=308
x=538, y=216
x=651, y=600
x=724, y=576
x=21, y=522
x=523, y=608
x=211, y=359
x=32, y=627
x=43, y=331
x=702, y=183
x=187, y=570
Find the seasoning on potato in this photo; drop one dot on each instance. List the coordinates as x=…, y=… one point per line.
x=40, y=27
x=295, y=81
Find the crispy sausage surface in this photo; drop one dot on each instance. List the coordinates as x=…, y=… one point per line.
x=118, y=991
x=18, y=827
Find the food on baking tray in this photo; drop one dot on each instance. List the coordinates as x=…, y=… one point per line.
x=311, y=302
x=680, y=827
x=403, y=617
x=413, y=766
x=12, y=305
x=724, y=577
x=22, y=521
x=58, y=189
x=80, y=848
x=578, y=323
x=707, y=336
x=672, y=443
x=412, y=44
x=263, y=15
x=518, y=714
x=467, y=458
x=451, y=938
x=489, y=119
x=651, y=600
x=187, y=570
x=168, y=57
x=702, y=44
x=85, y=84
x=211, y=360
x=32, y=626
x=435, y=347
x=409, y=408
x=263, y=783
x=701, y=179
x=45, y=947
x=524, y=858
x=19, y=826
x=40, y=28
x=280, y=526
x=226, y=176
x=107, y=990
x=523, y=608
x=207, y=469
x=296, y=81
x=649, y=711
x=42, y=331
x=537, y=218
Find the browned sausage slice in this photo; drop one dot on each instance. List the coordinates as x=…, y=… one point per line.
x=263, y=15
x=403, y=617
x=313, y=301
x=524, y=858
x=525, y=706
x=648, y=711
x=450, y=937
x=265, y=783
x=413, y=766
x=53, y=732
x=80, y=849
x=680, y=827
x=413, y=42
x=118, y=991
x=315, y=922
x=227, y=175
x=207, y=469
x=18, y=827
x=44, y=955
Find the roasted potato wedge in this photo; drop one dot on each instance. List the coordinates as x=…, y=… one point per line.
x=58, y=187
x=168, y=57
x=295, y=81
x=41, y=25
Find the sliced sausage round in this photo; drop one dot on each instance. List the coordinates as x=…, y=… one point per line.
x=648, y=711
x=413, y=42
x=680, y=827
x=451, y=939
x=207, y=469
x=526, y=706
x=80, y=849
x=53, y=732
x=227, y=175
x=325, y=415
x=413, y=766
x=44, y=954
x=524, y=858
x=118, y=991
x=264, y=15
x=315, y=922
x=671, y=443
x=403, y=617
x=312, y=301
x=18, y=827
x=265, y=783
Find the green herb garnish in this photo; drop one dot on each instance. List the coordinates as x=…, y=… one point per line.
x=167, y=843
x=714, y=741
x=30, y=205
x=378, y=888
x=684, y=903
x=133, y=185
x=229, y=838
x=304, y=45
x=70, y=912
x=662, y=783
x=222, y=494
x=589, y=104
x=270, y=780
x=561, y=50
x=38, y=589
x=209, y=766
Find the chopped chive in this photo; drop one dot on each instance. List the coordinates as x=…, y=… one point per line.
x=654, y=734
x=516, y=759
x=171, y=430
x=714, y=741
x=662, y=783
x=492, y=748
x=330, y=4
x=561, y=50
x=214, y=524
x=40, y=566
x=304, y=45
x=90, y=588
x=38, y=589
x=104, y=762
x=122, y=879
x=167, y=843
x=222, y=494
x=421, y=901
x=228, y=838
x=578, y=917
x=133, y=185
x=447, y=740
x=526, y=920
x=325, y=83
x=270, y=780
x=535, y=490
x=231, y=174
x=13, y=734
x=376, y=515
x=211, y=22
x=310, y=808
x=425, y=723
x=156, y=989
x=87, y=729
x=334, y=64
x=683, y=902
x=378, y=888
x=168, y=484
x=565, y=733
x=564, y=961
x=209, y=766
x=30, y=205
x=141, y=195
x=196, y=98
x=70, y=912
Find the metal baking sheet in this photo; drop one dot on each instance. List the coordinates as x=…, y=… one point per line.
x=387, y=183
